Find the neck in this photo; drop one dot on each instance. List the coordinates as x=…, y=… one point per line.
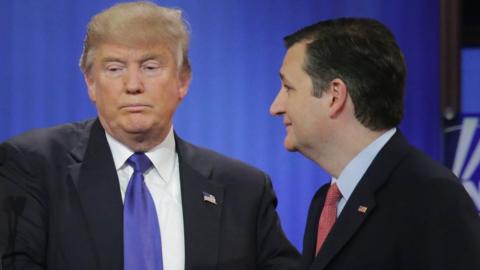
x=344, y=146
x=140, y=142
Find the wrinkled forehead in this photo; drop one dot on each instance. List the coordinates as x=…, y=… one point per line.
x=108, y=52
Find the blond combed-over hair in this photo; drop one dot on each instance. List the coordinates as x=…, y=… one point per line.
x=138, y=24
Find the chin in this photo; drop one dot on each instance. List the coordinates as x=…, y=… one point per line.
x=290, y=146
x=137, y=128
x=137, y=125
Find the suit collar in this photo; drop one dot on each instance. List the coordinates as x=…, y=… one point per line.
x=356, y=168
x=363, y=197
x=96, y=181
x=162, y=156
x=201, y=218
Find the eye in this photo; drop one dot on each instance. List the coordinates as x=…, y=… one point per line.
x=150, y=66
x=114, y=69
x=287, y=87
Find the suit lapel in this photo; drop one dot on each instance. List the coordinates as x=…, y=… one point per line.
x=201, y=218
x=346, y=225
x=96, y=182
x=363, y=197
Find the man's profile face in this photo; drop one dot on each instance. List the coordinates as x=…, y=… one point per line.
x=303, y=114
x=135, y=89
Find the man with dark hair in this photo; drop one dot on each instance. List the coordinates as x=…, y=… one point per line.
x=388, y=206
x=123, y=191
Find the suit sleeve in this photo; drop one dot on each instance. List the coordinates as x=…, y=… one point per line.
x=275, y=251
x=23, y=212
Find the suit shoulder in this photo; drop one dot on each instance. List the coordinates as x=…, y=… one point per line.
x=426, y=180
x=219, y=166
x=42, y=137
x=422, y=169
x=216, y=159
x=38, y=144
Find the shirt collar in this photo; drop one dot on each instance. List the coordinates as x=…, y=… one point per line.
x=356, y=168
x=162, y=156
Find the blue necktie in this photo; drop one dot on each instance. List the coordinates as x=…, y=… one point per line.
x=141, y=233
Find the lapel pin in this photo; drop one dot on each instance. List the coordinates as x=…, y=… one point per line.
x=362, y=209
x=207, y=197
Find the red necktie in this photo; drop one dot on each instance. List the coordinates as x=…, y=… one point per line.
x=328, y=216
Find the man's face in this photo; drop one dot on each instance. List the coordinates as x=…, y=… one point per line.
x=303, y=114
x=136, y=90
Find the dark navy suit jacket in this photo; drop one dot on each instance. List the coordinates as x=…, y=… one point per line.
x=62, y=207
x=418, y=216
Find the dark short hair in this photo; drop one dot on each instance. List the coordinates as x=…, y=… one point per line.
x=364, y=54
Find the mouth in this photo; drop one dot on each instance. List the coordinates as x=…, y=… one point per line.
x=286, y=121
x=135, y=107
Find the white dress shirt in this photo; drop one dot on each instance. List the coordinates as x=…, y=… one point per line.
x=356, y=168
x=163, y=182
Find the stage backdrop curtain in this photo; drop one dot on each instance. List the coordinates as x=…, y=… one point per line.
x=236, y=51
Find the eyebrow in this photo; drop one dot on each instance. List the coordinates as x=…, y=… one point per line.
x=112, y=59
x=152, y=56
x=144, y=58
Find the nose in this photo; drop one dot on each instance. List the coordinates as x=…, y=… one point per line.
x=278, y=105
x=133, y=81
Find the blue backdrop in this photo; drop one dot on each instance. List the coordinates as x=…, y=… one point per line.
x=236, y=51
x=462, y=135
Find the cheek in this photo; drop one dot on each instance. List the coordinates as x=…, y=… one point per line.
x=166, y=94
x=294, y=110
x=108, y=90
x=92, y=93
x=106, y=100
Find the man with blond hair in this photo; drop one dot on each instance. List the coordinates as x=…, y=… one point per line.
x=123, y=191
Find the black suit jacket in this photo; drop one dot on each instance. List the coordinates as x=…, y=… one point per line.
x=418, y=217
x=62, y=208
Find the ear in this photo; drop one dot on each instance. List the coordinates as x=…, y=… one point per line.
x=185, y=79
x=90, y=82
x=338, y=93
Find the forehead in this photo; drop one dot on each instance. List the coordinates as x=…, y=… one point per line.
x=109, y=50
x=293, y=61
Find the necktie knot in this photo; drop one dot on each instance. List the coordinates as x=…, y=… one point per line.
x=140, y=162
x=333, y=195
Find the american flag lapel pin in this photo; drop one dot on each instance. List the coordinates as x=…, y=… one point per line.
x=207, y=197
x=362, y=209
